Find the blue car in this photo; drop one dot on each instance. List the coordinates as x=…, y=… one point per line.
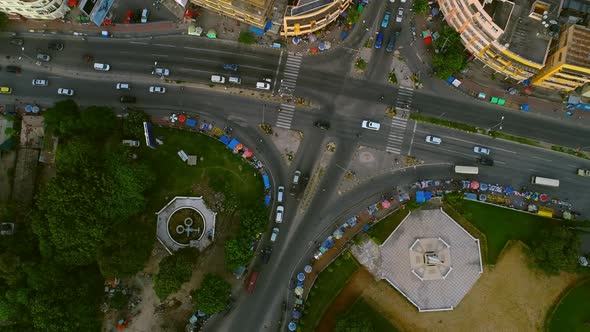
x=379, y=40
x=230, y=66
x=385, y=21
x=391, y=42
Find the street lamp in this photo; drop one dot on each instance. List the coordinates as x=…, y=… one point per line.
x=498, y=125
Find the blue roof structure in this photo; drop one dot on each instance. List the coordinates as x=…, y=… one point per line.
x=267, y=200
x=191, y=123
x=232, y=145
x=266, y=181
x=224, y=139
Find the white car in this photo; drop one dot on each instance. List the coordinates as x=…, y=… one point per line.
x=65, y=92
x=280, y=211
x=371, y=125
x=102, y=66
x=280, y=193
x=262, y=85
x=161, y=71
x=157, y=89
x=481, y=150
x=39, y=82
x=144, y=15
x=400, y=15
x=433, y=140
x=122, y=86
x=274, y=235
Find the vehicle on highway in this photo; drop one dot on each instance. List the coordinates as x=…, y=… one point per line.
x=17, y=41
x=379, y=40
x=481, y=150
x=128, y=17
x=128, y=99
x=144, y=15
x=13, y=69
x=263, y=85
x=433, y=140
x=266, y=252
x=466, y=170
x=280, y=212
x=56, y=46
x=544, y=181
x=43, y=57
x=391, y=42
x=485, y=161
x=583, y=172
x=160, y=71
x=218, y=79
x=370, y=125
x=235, y=80
x=252, y=282
x=102, y=66
x=65, y=92
x=40, y=82
x=280, y=193
x=230, y=66
x=123, y=86
x=130, y=142
x=385, y=21
x=157, y=89
x=322, y=124
x=5, y=90
x=400, y=15
x=295, y=182
x=274, y=234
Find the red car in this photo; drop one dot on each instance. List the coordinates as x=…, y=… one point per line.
x=252, y=282
x=129, y=16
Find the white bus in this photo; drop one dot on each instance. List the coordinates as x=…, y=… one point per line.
x=466, y=170
x=544, y=181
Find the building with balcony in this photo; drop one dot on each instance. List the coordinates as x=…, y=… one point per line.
x=568, y=65
x=307, y=16
x=512, y=38
x=252, y=12
x=35, y=9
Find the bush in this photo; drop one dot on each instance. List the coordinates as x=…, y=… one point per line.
x=360, y=64
x=247, y=38
x=420, y=6
x=392, y=78
x=213, y=295
x=174, y=271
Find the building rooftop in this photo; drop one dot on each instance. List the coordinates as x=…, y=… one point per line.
x=304, y=6
x=578, y=53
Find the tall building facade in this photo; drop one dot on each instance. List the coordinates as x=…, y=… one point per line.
x=253, y=12
x=35, y=9
x=307, y=16
x=568, y=66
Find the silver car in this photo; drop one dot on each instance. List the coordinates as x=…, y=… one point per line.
x=157, y=89
x=43, y=57
x=65, y=92
x=370, y=125
x=40, y=82
x=481, y=150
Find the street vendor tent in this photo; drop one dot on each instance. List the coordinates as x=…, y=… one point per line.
x=191, y=123
x=266, y=181
x=267, y=200
x=224, y=139
x=232, y=145
x=423, y=196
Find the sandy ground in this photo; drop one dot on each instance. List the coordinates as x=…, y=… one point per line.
x=287, y=142
x=507, y=297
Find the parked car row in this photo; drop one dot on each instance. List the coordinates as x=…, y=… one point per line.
x=263, y=84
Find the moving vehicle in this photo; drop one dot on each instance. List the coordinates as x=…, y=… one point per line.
x=101, y=66
x=485, y=161
x=43, y=57
x=379, y=40
x=65, y=92
x=56, y=46
x=544, y=181
x=385, y=21
x=40, y=82
x=370, y=125
x=230, y=66
x=280, y=192
x=217, y=79
x=433, y=140
x=583, y=172
x=17, y=41
x=160, y=71
x=127, y=99
x=295, y=183
x=5, y=90
x=144, y=15
x=235, y=80
x=279, y=217
x=266, y=252
x=128, y=17
x=252, y=282
x=466, y=170
x=13, y=69
x=122, y=86
x=481, y=150
x=400, y=15
x=157, y=89
x=263, y=85
x=322, y=124
x=274, y=234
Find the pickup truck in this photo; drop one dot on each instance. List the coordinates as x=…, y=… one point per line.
x=583, y=172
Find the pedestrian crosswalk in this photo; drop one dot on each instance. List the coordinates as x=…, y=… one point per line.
x=286, y=116
x=396, y=135
x=290, y=74
x=404, y=98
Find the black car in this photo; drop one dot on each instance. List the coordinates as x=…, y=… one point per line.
x=17, y=41
x=266, y=252
x=13, y=69
x=127, y=99
x=485, y=161
x=56, y=46
x=322, y=124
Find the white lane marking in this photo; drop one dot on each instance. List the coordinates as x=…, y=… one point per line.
x=572, y=166
x=470, y=142
x=138, y=43
x=53, y=77
x=257, y=68
x=197, y=70
x=412, y=140
x=500, y=162
x=160, y=55
x=164, y=45
x=274, y=84
x=548, y=160
x=452, y=151
x=217, y=51
x=200, y=60
x=532, y=169
x=125, y=52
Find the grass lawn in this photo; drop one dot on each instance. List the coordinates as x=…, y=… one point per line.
x=500, y=225
x=381, y=230
x=572, y=312
x=326, y=288
x=217, y=170
x=380, y=323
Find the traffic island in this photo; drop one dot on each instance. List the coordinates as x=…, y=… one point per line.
x=287, y=141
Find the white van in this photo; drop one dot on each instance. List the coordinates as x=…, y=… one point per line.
x=466, y=170
x=544, y=181
x=218, y=79
x=144, y=15
x=274, y=235
x=123, y=86
x=101, y=66
x=280, y=192
x=235, y=80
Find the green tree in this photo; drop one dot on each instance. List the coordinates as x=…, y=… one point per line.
x=237, y=253
x=354, y=322
x=213, y=295
x=173, y=271
x=63, y=118
x=3, y=21
x=77, y=154
x=352, y=15
x=10, y=268
x=420, y=6
x=556, y=249
x=11, y=132
x=246, y=37
x=133, y=125
x=98, y=122
x=252, y=222
x=451, y=57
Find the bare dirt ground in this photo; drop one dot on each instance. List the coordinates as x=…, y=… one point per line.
x=508, y=297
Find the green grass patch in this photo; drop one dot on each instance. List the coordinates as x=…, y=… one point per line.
x=572, y=312
x=573, y=152
x=325, y=289
x=445, y=123
x=360, y=64
x=363, y=309
x=500, y=225
x=381, y=230
x=217, y=170
x=518, y=139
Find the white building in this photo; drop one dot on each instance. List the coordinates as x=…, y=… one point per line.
x=35, y=9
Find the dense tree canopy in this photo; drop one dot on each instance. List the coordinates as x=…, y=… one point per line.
x=451, y=57
x=420, y=6
x=556, y=249
x=213, y=295
x=174, y=271
x=354, y=322
x=237, y=252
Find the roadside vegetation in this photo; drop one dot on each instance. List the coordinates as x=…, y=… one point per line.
x=451, y=56
x=381, y=230
x=174, y=270
x=392, y=78
x=247, y=38
x=360, y=64
x=213, y=295
x=361, y=317
x=571, y=313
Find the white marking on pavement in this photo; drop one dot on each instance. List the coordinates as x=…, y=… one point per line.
x=160, y=55
x=274, y=84
x=199, y=60
x=532, y=169
x=217, y=51
x=138, y=43
x=500, y=162
x=125, y=52
x=257, y=68
x=548, y=160
x=200, y=71
x=572, y=166
x=452, y=151
x=419, y=57
x=412, y=140
x=54, y=77
x=164, y=45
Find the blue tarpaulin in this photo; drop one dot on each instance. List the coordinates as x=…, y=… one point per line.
x=191, y=123
x=268, y=25
x=267, y=200
x=224, y=139
x=470, y=196
x=450, y=79
x=257, y=31
x=328, y=243
x=266, y=181
x=232, y=145
x=423, y=196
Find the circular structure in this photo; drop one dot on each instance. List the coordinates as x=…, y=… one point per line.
x=185, y=225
